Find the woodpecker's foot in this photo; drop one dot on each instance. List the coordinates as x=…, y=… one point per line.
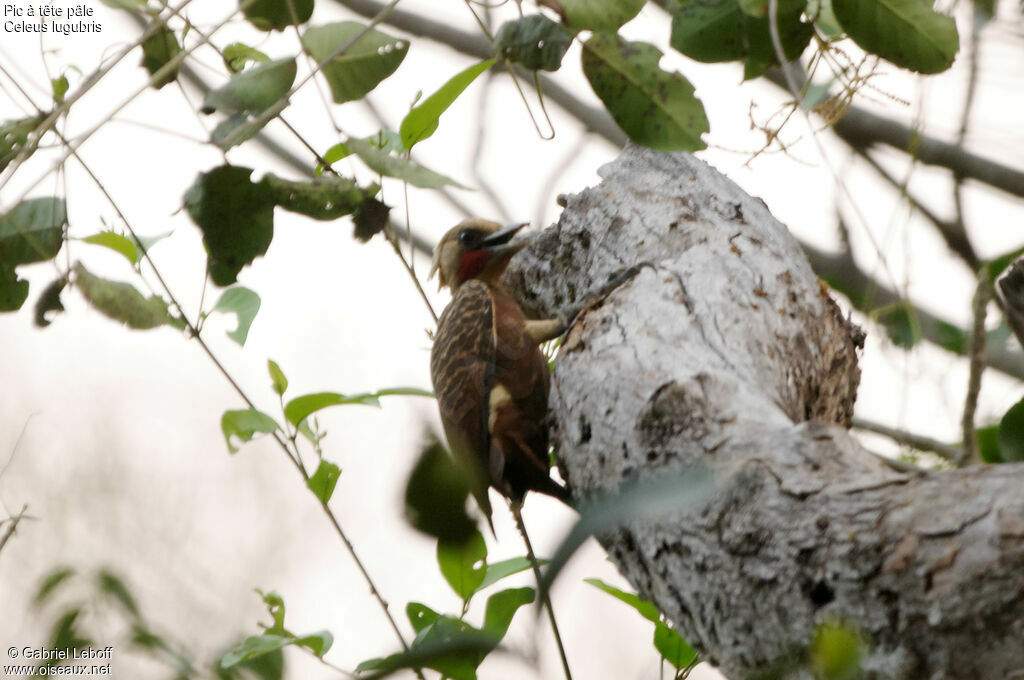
x=568, y=317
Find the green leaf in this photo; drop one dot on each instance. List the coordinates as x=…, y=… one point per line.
x=988, y=444
x=369, y=219
x=420, y=616
x=449, y=645
x=60, y=88
x=499, y=570
x=244, y=304
x=672, y=647
x=655, y=108
x=1011, y=434
x=51, y=582
x=322, y=198
x=385, y=140
x=463, y=564
x=277, y=377
x=645, y=608
x=254, y=646
x=534, y=41
x=836, y=652
x=901, y=324
x=600, y=15
x=909, y=33
x=116, y=242
x=65, y=636
x=157, y=50
x=389, y=165
x=422, y=121
x=244, y=424
x=48, y=301
x=459, y=647
x=727, y=30
x=324, y=480
x=122, y=302
x=237, y=55
x=255, y=90
x=300, y=408
x=13, y=291
x=276, y=15
x=435, y=496
x=13, y=137
x=236, y=217
x=997, y=265
x=318, y=642
x=356, y=66
x=951, y=338
x=683, y=490
x=32, y=230
x=276, y=608
x=502, y=606
x=112, y=585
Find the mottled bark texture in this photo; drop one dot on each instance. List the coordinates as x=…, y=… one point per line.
x=730, y=352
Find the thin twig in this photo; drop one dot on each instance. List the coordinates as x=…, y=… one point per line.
x=914, y=441
x=976, y=357
x=516, y=508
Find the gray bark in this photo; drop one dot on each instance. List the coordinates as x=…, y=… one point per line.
x=729, y=352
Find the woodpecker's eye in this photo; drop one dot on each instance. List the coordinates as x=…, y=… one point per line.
x=469, y=238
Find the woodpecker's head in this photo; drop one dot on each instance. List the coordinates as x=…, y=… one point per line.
x=474, y=249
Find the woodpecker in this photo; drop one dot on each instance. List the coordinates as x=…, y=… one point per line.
x=489, y=375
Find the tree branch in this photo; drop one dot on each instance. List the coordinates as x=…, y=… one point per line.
x=731, y=355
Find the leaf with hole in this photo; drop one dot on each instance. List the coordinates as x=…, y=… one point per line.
x=463, y=564
x=655, y=108
x=422, y=121
x=908, y=33
x=244, y=304
x=237, y=55
x=534, y=41
x=48, y=301
x=357, y=58
x=13, y=290
x=236, y=217
x=244, y=424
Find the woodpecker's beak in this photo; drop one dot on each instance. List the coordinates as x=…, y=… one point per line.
x=498, y=243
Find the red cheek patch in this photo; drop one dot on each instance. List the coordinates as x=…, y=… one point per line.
x=472, y=263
